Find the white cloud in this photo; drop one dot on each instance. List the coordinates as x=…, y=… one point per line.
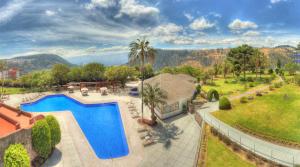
x=134, y=9
x=277, y=1
x=100, y=3
x=167, y=29
x=201, y=24
x=237, y=25
x=11, y=9
x=188, y=16
x=251, y=33
x=50, y=12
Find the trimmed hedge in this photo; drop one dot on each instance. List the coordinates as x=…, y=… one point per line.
x=41, y=138
x=16, y=155
x=54, y=130
x=212, y=94
x=224, y=103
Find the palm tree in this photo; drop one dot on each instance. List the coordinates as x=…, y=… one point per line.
x=141, y=51
x=153, y=97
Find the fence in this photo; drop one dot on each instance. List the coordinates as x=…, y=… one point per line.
x=276, y=155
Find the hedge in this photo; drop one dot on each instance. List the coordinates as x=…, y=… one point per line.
x=41, y=138
x=16, y=155
x=212, y=93
x=224, y=103
x=54, y=130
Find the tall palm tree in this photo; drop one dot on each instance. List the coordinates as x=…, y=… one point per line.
x=140, y=52
x=153, y=97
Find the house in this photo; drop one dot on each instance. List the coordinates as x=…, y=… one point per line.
x=12, y=73
x=179, y=88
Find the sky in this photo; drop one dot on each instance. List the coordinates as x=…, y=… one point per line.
x=101, y=30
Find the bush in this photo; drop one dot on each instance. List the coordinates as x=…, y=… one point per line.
x=198, y=89
x=212, y=94
x=243, y=100
x=251, y=85
x=270, y=71
x=54, y=130
x=297, y=79
x=224, y=103
x=271, y=87
x=41, y=138
x=250, y=79
x=16, y=155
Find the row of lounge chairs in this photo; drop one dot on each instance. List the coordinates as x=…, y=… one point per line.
x=32, y=97
x=145, y=133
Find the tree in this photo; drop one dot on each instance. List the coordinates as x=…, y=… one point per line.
x=59, y=74
x=148, y=71
x=153, y=97
x=93, y=72
x=291, y=67
x=120, y=73
x=258, y=60
x=226, y=67
x=240, y=57
x=298, y=46
x=140, y=52
x=3, y=67
x=75, y=74
x=217, y=67
x=278, y=64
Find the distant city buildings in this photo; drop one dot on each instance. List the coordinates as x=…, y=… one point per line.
x=12, y=73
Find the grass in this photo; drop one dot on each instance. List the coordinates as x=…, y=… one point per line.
x=275, y=115
x=11, y=90
x=232, y=87
x=218, y=154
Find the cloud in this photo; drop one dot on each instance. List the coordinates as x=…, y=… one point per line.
x=167, y=29
x=277, y=1
x=11, y=9
x=201, y=24
x=100, y=3
x=251, y=33
x=134, y=9
x=188, y=16
x=237, y=25
x=50, y=12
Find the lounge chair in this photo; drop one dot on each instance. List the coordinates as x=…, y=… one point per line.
x=144, y=135
x=142, y=129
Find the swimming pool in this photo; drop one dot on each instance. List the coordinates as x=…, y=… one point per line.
x=101, y=123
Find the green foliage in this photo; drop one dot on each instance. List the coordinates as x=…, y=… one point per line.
x=59, y=73
x=224, y=103
x=41, y=138
x=198, y=89
x=212, y=94
x=93, y=72
x=16, y=156
x=185, y=69
x=54, y=130
x=75, y=74
x=120, y=73
x=243, y=100
x=291, y=68
x=37, y=79
x=148, y=71
x=297, y=79
x=251, y=85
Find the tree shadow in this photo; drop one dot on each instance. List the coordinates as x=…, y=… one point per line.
x=54, y=159
x=165, y=133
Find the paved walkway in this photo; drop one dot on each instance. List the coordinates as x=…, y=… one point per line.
x=177, y=139
x=283, y=155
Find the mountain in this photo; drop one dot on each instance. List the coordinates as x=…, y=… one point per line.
x=35, y=62
x=208, y=57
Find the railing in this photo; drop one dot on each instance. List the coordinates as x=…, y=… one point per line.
x=273, y=154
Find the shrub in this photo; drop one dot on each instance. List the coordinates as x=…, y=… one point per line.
x=54, y=130
x=297, y=79
x=243, y=100
x=224, y=103
x=16, y=155
x=271, y=87
x=270, y=71
x=250, y=79
x=278, y=85
x=212, y=94
x=198, y=89
x=41, y=138
x=251, y=85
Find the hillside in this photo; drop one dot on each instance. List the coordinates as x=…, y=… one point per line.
x=208, y=57
x=35, y=62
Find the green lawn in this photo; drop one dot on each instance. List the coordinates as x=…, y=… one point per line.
x=276, y=115
x=9, y=90
x=231, y=87
x=218, y=154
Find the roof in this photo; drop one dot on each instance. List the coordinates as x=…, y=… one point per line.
x=176, y=86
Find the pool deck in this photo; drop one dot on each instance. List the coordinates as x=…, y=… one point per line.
x=178, y=138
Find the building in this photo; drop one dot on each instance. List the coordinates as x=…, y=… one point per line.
x=179, y=88
x=12, y=73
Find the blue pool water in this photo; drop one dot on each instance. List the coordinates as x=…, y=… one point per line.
x=101, y=123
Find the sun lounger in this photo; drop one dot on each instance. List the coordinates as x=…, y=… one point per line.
x=144, y=135
x=142, y=129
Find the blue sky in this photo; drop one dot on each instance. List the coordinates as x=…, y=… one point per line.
x=100, y=30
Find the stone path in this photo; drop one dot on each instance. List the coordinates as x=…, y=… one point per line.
x=283, y=155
